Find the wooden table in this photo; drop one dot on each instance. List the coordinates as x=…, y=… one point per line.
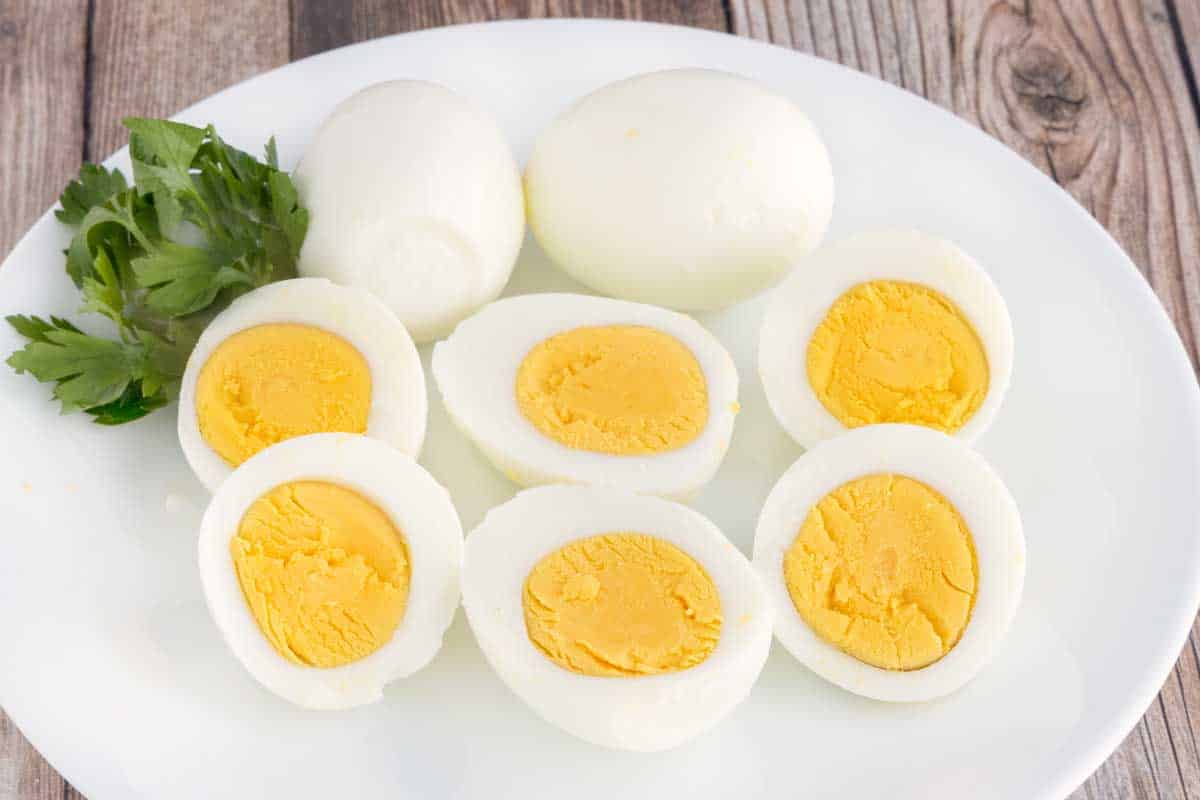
x=1100, y=95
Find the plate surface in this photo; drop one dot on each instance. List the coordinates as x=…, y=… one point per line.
x=112, y=668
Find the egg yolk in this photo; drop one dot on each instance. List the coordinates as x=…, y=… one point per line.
x=277, y=381
x=324, y=571
x=622, y=604
x=889, y=351
x=619, y=389
x=884, y=568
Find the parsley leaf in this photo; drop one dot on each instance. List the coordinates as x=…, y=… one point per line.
x=131, y=405
x=90, y=372
x=202, y=223
x=282, y=243
x=121, y=221
x=171, y=144
x=102, y=290
x=184, y=279
x=87, y=370
x=94, y=185
x=36, y=328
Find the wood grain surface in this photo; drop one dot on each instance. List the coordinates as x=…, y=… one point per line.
x=1099, y=94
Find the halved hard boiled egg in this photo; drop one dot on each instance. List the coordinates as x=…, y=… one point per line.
x=687, y=188
x=579, y=389
x=895, y=559
x=297, y=357
x=626, y=620
x=413, y=194
x=330, y=564
x=886, y=326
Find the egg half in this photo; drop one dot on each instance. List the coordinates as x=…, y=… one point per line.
x=886, y=326
x=579, y=389
x=413, y=194
x=330, y=565
x=626, y=620
x=894, y=558
x=687, y=188
x=297, y=357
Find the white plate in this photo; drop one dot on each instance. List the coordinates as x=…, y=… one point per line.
x=111, y=666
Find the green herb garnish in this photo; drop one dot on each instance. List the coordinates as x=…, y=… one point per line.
x=202, y=223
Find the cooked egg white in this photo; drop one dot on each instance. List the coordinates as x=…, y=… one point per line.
x=626, y=620
x=330, y=565
x=886, y=326
x=297, y=357
x=894, y=558
x=414, y=195
x=687, y=188
x=578, y=389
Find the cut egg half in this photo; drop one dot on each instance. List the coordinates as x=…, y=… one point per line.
x=894, y=558
x=330, y=565
x=886, y=326
x=297, y=357
x=565, y=388
x=627, y=620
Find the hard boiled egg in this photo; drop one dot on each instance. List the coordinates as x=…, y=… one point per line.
x=330, y=564
x=297, y=357
x=414, y=195
x=886, y=326
x=626, y=620
x=894, y=558
x=579, y=389
x=688, y=188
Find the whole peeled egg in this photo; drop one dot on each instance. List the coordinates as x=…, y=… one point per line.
x=688, y=188
x=414, y=195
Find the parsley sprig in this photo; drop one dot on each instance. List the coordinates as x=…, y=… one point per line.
x=202, y=223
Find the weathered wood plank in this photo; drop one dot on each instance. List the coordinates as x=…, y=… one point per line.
x=320, y=25
x=153, y=59
x=42, y=74
x=1186, y=22
x=25, y=775
x=1096, y=94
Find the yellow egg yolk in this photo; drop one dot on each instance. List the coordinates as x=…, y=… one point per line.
x=619, y=389
x=622, y=604
x=889, y=351
x=884, y=568
x=324, y=571
x=277, y=381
